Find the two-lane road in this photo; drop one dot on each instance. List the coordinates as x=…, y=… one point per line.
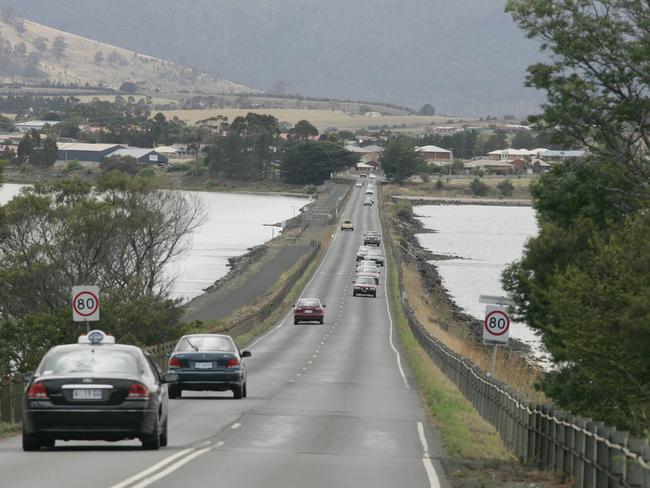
x=329, y=405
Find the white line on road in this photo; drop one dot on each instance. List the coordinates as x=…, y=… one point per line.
x=423, y=439
x=152, y=469
x=236, y=425
x=434, y=481
x=175, y=466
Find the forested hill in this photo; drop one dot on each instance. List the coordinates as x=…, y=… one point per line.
x=462, y=56
x=32, y=53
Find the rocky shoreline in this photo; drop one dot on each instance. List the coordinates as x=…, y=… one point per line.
x=432, y=282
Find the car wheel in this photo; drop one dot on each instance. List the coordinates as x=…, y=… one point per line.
x=295, y=321
x=48, y=442
x=374, y=295
x=245, y=390
x=151, y=442
x=174, y=391
x=322, y=321
x=238, y=392
x=31, y=442
x=354, y=293
x=163, y=435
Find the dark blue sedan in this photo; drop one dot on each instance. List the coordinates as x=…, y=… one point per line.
x=208, y=362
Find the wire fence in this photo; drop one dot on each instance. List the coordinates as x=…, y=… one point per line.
x=592, y=454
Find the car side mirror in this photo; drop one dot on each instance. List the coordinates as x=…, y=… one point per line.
x=27, y=377
x=293, y=306
x=168, y=355
x=170, y=378
x=246, y=354
x=324, y=306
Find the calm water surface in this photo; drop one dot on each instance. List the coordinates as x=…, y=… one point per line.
x=487, y=239
x=235, y=223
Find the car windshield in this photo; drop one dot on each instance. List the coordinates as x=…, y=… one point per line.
x=309, y=302
x=91, y=361
x=374, y=253
x=368, y=269
x=365, y=280
x=205, y=343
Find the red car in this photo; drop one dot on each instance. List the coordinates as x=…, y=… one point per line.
x=364, y=285
x=308, y=310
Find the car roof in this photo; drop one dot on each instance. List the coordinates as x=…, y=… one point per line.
x=72, y=347
x=207, y=334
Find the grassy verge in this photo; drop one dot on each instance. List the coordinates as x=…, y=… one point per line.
x=450, y=187
x=7, y=430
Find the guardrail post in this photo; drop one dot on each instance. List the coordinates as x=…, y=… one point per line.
x=617, y=460
x=558, y=440
x=579, y=463
x=569, y=445
x=602, y=457
x=5, y=402
x=532, y=433
x=590, y=454
x=637, y=477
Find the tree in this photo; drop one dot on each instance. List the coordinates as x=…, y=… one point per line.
x=20, y=50
x=595, y=78
x=45, y=154
x=59, y=47
x=26, y=146
x=40, y=43
x=399, y=160
x=128, y=87
x=311, y=162
x=303, y=131
x=99, y=57
x=125, y=164
x=427, y=109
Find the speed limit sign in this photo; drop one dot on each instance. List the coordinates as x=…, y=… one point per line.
x=496, y=326
x=85, y=303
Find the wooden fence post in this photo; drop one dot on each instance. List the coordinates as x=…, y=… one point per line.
x=617, y=460
x=636, y=475
x=590, y=454
x=5, y=402
x=578, y=461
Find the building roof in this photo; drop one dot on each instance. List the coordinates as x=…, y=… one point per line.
x=88, y=147
x=484, y=163
x=363, y=165
x=134, y=152
x=541, y=162
x=562, y=154
x=512, y=152
x=364, y=149
x=36, y=123
x=166, y=150
x=432, y=149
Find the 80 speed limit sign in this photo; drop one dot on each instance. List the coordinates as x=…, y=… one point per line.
x=85, y=303
x=496, y=326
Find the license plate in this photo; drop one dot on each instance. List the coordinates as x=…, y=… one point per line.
x=308, y=311
x=87, y=394
x=203, y=365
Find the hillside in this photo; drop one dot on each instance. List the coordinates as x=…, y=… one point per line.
x=465, y=57
x=33, y=53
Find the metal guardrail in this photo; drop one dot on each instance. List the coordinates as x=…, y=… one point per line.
x=593, y=454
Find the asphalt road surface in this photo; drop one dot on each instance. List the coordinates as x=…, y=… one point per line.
x=329, y=405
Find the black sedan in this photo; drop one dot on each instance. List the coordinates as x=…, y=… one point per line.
x=208, y=362
x=95, y=390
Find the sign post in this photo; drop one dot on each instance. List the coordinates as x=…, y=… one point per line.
x=496, y=325
x=85, y=304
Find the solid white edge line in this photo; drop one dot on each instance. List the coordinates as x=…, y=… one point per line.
x=153, y=468
x=390, y=317
x=146, y=482
x=423, y=439
x=434, y=481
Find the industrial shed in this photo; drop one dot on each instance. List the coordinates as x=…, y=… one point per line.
x=142, y=155
x=85, y=152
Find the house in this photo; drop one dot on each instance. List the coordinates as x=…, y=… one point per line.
x=490, y=165
x=435, y=153
x=368, y=153
x=552, y=155
x=86, y=152
x=35, y=125
x=142, y=155
x=509, y=153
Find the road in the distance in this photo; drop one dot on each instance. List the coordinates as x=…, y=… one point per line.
x=329, y=405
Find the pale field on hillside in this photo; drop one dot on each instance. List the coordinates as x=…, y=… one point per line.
x=322, y=119
x=77, y=65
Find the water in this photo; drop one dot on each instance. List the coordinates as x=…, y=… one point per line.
x=235, y=223
x=487, y=238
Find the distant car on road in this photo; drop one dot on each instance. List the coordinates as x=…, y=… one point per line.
x=346, y=224
x=374, y=274
x=364, y=285
x=358, y=184
x=369, y=192
x=371, y=238
x=308, y=310
x=368, y=202
x=375, y=255
x=208, y=362
x=95, y=390
x=361, y=253
x=362, y=175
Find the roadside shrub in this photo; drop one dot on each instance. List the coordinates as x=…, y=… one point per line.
x=403, y=209
x=125, y=164
x=403, y=242
x=73, y=165
x=440, y=185
x=147, y=172
x=506, y=188
x=310, y=189
x=478, y=188
x=179, y=168
x=425, y=177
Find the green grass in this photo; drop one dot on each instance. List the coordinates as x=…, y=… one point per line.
x=465, y=435
x=7, y=430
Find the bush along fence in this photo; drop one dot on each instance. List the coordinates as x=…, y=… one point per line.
x=11, y=389
x=592, y=454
